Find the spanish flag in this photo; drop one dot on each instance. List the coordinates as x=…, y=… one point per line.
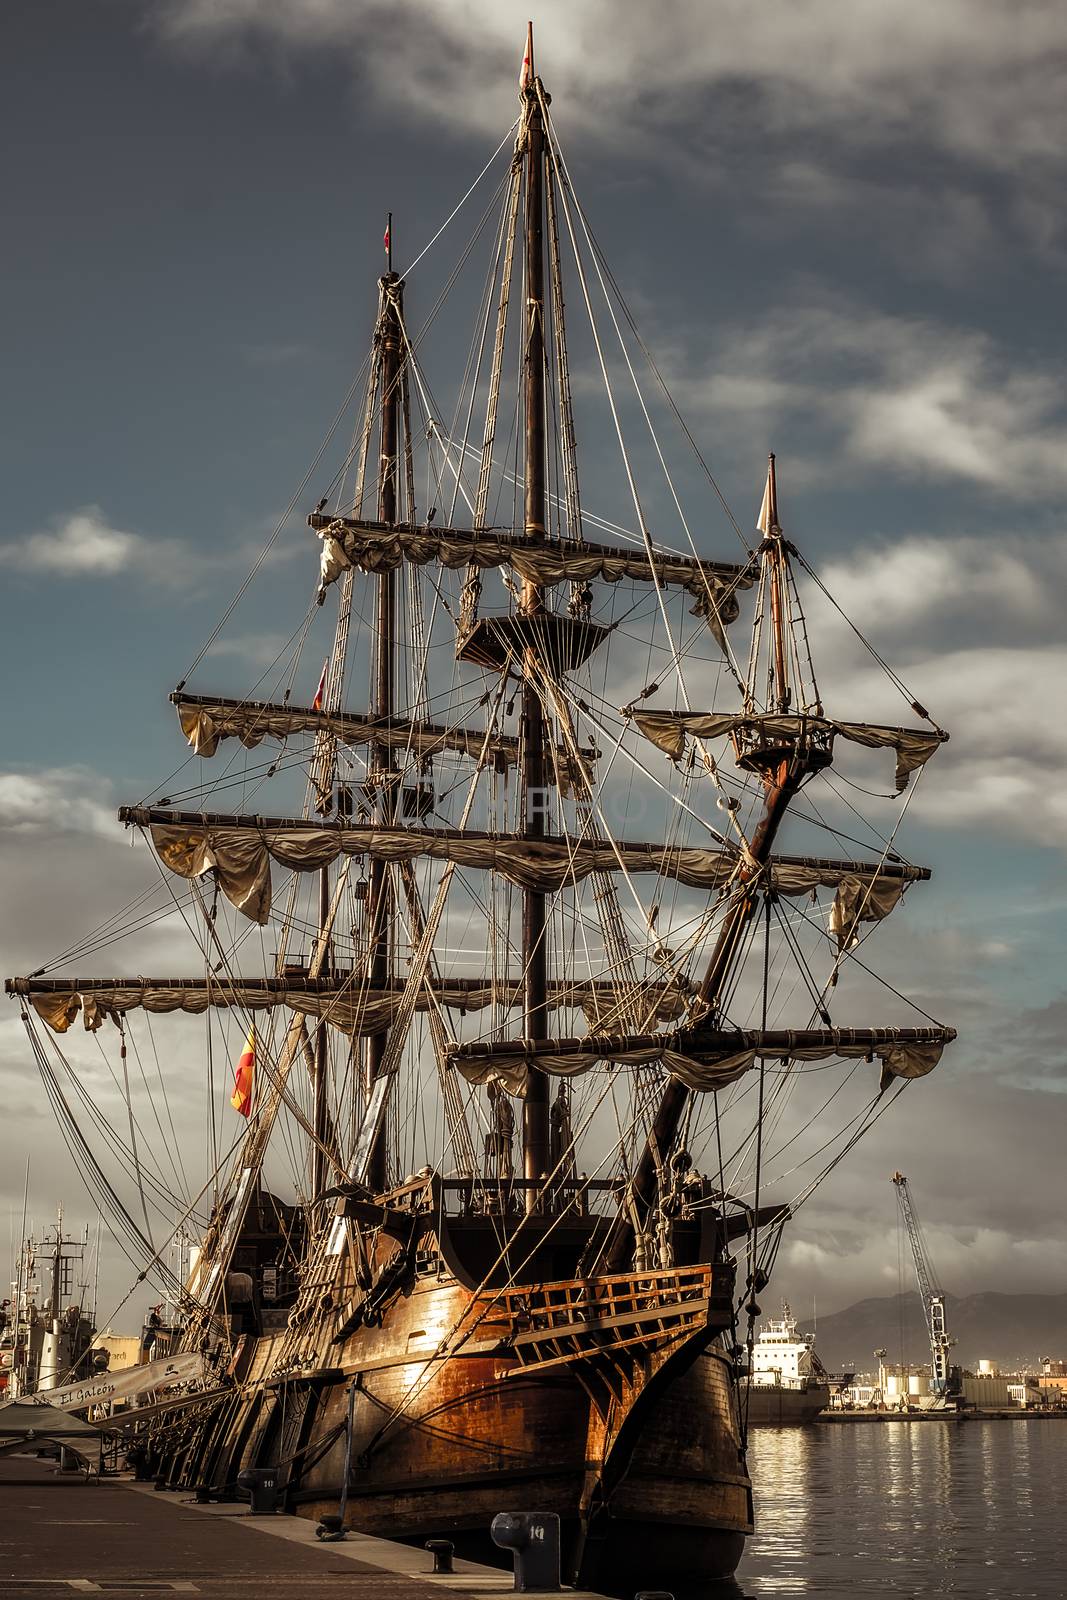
x=244, y=1073
x=320, y=692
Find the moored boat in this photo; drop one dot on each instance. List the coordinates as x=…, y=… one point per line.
x=786, y=1382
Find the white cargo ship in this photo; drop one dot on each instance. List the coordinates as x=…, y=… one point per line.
x=787, y=1382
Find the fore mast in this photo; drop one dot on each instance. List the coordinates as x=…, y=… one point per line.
x=783, y=764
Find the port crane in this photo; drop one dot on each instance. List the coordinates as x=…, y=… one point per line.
x=932, y=1298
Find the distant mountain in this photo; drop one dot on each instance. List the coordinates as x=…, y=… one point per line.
x=1015, y=1330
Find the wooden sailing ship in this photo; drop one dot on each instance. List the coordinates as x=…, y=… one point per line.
x=467, y=1332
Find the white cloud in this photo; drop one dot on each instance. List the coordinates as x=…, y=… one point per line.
x=80, y=545
x=1008, y=792
x=70, y=880
x=994, y=607
x=905, y=394
x=981, y=1235
x=59, y=799
x=971, y=75
x=1019, y=580
x=964, y=412
x=83, y=544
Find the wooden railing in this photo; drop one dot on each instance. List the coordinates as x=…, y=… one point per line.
x=579, y=1319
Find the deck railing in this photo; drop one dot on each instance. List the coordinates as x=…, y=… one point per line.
x=580, y=1318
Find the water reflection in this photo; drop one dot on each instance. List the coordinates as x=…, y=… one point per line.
x=938, y=1507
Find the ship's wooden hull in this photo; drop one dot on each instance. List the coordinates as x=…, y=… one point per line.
x=440, y=1446
x=479, y=1385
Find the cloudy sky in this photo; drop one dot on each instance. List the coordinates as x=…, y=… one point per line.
x=842, y=229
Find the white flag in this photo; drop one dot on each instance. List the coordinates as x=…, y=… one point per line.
x=526, y=70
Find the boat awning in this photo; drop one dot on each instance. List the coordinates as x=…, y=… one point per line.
x=27, y=1422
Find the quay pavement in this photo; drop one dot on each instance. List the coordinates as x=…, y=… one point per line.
x=61, y=1537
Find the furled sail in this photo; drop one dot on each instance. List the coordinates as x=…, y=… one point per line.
x=344, y=1003
x=668, y=729
x=240, y=850
x=703, y=1060
x=378, y=547
x=208, y=719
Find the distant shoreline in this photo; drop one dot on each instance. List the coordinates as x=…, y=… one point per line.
x=1035, y=1415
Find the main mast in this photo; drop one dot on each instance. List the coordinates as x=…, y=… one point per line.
x=383, y=776
x=535, y=1113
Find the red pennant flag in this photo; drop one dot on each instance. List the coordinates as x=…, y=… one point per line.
x=526, y=70
x=320, y=692
x=386, y=236
x=244, y=1074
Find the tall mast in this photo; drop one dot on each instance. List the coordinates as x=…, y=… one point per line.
x=535, y=1112
x=320, y=1058
x=57, y=1272
x=776, y=558
x=379, y=904
x=782, y=767
x=780, y=788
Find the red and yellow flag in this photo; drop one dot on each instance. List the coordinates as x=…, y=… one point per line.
x=320, y=692
x=244, y=1074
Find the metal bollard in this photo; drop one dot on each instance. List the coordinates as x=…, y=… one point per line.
x=533, y=1539
x=442, y=1551
x=261, y=1484
x=331, y=1529
x=653, y=1594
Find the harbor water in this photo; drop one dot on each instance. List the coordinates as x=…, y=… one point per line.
x=966, y=1509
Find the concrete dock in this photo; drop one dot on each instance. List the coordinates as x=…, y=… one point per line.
x=63, y=1536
